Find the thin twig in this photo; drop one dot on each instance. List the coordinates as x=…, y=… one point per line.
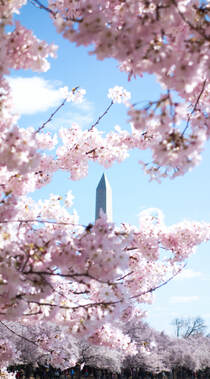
x=106, y=304
x=160, y=285
x=51, y=116
x=96, y=123
x=38, y=4
x=88, y=305
x=125, y=276
x=194, y=108
x=18, y=335
x=197, y=29
x=56, y=110
x=75, y=275
x=100, y=117
x=41, y=222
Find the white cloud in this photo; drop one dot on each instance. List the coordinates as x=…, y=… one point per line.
x=32, y=95
x=84, y=119
x=189, y=274
x=183, y=299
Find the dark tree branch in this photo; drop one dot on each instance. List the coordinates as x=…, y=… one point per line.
x=159, y=286
x=51, y=116
x=193, y=27
x=40, y=222
x=70, y=276
x=100, y=117
x=105, y=304
x=38, y=4
x=88, y=305
x=195, y=107
x=18, y=335
x=188, y=327
x=56, y=110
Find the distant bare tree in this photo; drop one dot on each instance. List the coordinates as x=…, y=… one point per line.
x=189, y=327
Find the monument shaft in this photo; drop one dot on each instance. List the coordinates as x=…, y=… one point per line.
x=104, y=198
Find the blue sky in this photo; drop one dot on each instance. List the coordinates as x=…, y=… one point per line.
x=37, y=95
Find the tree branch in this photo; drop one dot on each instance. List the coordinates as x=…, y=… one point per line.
x=159, y=286
x=100, y=117
x=195, y=106
x=106, y=304
x=195, y=28
x=38, y=4
x=51, y=116
x=18, y=335
x=88, y=305
x=56, y=110
x=40, y=222
x=70, y=276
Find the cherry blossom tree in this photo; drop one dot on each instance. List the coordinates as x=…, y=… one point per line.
x=158, y=352
x=169, y=39
x=101, y=357
x=41, y=343
x=88, y=278
x=38, y=343
x=152, y=348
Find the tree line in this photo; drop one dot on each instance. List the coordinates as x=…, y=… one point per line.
x=156, y=353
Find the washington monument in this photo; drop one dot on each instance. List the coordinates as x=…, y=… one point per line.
x=104, y=198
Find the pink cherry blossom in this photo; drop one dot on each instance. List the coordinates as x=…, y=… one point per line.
x=88, y=279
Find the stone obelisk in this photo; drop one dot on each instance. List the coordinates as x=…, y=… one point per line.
x=104, y=198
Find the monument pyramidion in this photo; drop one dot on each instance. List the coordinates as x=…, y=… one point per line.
x=104, y=198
